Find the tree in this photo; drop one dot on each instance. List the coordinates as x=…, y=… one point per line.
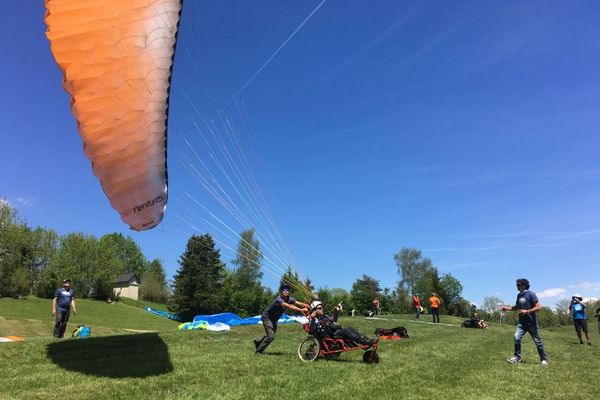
x=412, y=267
x=77, y=260
x=342, y=295
x=16, y=252
x=199, y=279
x=291, y=278
x=248, y=259
x=324, y=295
x=428, y=283
x=563, y=312
x=154, y=283
x=45, y=247
x=562, y=306
x=461, y=308
x=450, y=292
x=364, y=290
x=491, y=304
x=247, y=296
x=117, y=255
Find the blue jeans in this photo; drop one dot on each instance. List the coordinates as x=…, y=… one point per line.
x=532, y=329
x=417, y=312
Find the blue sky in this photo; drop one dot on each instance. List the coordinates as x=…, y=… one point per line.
x=468, y=130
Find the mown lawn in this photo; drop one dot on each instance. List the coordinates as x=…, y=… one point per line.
x=437, y=362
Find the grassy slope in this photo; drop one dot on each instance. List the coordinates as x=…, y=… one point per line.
x=33, y=318
x=437, y=362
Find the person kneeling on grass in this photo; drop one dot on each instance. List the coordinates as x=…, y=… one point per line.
x=474, y=322
x=322, y=326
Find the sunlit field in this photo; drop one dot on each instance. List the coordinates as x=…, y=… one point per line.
x=133, y=354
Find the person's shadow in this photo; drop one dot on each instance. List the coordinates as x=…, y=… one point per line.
x=113, y=356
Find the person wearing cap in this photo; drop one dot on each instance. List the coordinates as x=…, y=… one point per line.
x=577, y=308
x=63, y=302
x=527, y=305
x=324, y=326
x=272, y=314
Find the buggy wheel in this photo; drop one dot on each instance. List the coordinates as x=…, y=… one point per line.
x=308, y=350
x=371, y=357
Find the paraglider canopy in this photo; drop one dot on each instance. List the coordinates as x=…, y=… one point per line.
x=116, y=57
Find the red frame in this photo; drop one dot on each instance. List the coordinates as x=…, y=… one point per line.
x=331, y=346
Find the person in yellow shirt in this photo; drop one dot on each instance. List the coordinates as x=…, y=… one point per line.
x=434, y=301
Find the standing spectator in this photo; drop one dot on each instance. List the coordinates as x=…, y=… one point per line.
x=64, y=300
x=528, y=305
x=577, y=308
x=376, y=306
x=416, y=303
x=598, y=315
x=272, y=314
x=434, y=301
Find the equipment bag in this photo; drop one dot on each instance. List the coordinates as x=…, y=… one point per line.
x=82, y=331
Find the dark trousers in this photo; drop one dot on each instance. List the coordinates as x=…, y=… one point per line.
x=62, y=317
x=270, y=329
x=351, y=334
x=435, y=315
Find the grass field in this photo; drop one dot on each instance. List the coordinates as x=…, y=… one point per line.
x=438, y=361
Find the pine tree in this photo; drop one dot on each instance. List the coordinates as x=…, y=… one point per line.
x=154, y=282
x=198, y=281
x=248, y=297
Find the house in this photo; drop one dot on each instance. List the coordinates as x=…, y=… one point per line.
x=127, y=285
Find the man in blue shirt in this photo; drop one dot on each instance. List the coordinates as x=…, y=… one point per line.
x=577, y=308
x=527, y=304
x=64, y=300
x=272, y=314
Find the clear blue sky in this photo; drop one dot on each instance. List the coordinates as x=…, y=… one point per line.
x=469, y=130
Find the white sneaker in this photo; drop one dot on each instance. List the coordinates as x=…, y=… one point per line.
x=544, y=363
x=514, y=360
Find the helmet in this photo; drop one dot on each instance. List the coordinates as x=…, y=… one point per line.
x=315, y=304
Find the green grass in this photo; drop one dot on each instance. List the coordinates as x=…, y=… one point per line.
x=143, y=303
x=438, y=361
x=33, y=317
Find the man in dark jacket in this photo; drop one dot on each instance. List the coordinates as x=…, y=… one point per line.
x=272, y=314
x=63, y=302
x=322, y=326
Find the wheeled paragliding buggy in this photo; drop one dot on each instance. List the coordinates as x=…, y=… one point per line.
x=331, y=348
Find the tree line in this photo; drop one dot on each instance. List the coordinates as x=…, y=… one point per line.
x=204, y=285
x=36, y=260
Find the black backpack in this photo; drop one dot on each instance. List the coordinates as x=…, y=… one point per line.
x=398, y=331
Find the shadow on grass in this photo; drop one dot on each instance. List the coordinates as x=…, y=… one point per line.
x=113, y=356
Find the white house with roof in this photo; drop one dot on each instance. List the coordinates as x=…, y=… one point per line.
x=127, y=285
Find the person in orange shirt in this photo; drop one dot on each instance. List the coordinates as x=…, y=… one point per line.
x=434, y=301
x=416, y=303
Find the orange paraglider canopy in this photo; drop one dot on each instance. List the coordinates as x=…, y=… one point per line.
x=116, y=57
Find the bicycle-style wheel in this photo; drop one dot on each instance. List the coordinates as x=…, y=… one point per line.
x=308, y=350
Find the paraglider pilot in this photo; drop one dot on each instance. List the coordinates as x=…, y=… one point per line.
x=322, y=326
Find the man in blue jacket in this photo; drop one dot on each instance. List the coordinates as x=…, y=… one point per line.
x=527, y=305
x=63, y=302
